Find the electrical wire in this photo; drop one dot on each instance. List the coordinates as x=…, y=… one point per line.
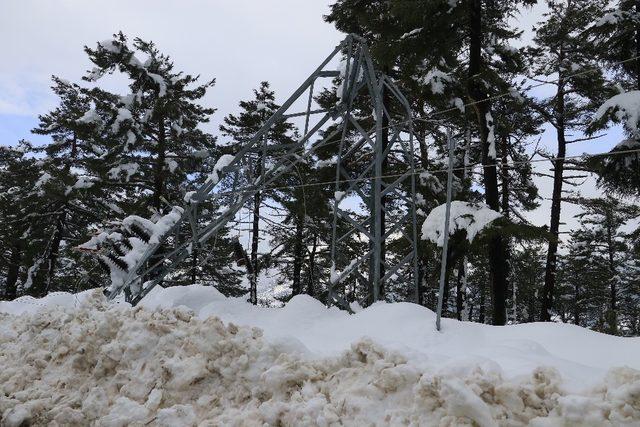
x=431, y=171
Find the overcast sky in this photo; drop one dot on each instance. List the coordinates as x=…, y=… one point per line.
x=239, y=42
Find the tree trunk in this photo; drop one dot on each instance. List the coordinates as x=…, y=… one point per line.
x=638, y=47
x=158, y=176
x=497, y=248
x=612, y=317
x=386, y=102
x=194, y=265
x=447, y=285
x=482, y=308
x=11, y=288
x=576, y=305
x=255, y=240
x=531, y=315
x=422, y=276
x=556, y=203
x=312, y=266
x=504, y=172
x=54, y=253
x=460, y=289
x=297, y=257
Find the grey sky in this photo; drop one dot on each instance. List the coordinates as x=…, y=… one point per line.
x=238, y=42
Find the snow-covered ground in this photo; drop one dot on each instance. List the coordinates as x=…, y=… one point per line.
x=189, y=356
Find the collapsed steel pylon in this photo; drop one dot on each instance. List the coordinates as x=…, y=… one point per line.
x=392, y=133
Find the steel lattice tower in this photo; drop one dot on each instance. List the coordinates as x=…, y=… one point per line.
x=386, y=204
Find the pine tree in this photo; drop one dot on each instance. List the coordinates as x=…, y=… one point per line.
x=605, y=216
x=19, y=176
x=582, y=281
x=438, y=45
x=528, y=275
x=156, y=146
x=114, y=155
x=628, y=276
x=155, y=129
x=562, y=50
x=616, y=36
x=71, y=167
x=241, y=128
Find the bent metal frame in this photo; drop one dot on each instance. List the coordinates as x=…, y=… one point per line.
x=392, y=131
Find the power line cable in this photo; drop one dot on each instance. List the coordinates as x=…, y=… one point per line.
x=431, y=171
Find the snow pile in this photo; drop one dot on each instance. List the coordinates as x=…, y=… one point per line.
x=470, y=217
x=78, y=360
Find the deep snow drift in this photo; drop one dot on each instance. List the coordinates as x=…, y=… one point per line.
x=77, y=359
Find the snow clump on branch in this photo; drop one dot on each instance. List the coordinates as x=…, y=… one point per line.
x=469, y=217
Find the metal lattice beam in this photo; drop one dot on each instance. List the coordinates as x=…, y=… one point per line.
x=359, y=81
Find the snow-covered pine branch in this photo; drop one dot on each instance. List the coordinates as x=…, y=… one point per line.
x=128, y=245
x=471, y=218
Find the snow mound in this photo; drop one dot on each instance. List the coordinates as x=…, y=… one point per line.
x=111, y=365
x=470, y=217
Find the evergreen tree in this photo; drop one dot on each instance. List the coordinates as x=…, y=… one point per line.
x=605, y=216
x=439, y=45
x=563, y=51
x=241, y=128
x=304, y=228
x=155, y=131
x=582, y=281
x=72, y=165
x=528, y=275
x=617, y=37
x=22, y=223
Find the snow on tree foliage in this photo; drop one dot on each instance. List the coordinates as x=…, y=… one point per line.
x=129, y=244
x=624, y=108
x=471, y=218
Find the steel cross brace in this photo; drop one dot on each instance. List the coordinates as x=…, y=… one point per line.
x=358, y=78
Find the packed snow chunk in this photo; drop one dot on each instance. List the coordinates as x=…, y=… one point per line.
x=111, y=46
x=91, y=116
x=92, y=362
x=224, y=161
x=158, y=229
x=625, y=107
x=469, y=217
x=437, y=79
x=124, y=412
x=17, y=416
x=128, y=169
x=123, y=115
x=177, y=415
x=161, y=82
